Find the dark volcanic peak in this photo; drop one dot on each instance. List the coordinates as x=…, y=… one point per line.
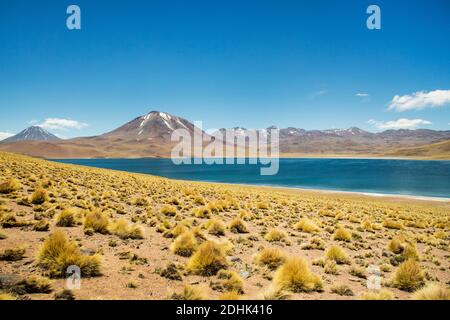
x=33, y=133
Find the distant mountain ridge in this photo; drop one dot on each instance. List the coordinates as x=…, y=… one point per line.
x=33, y=133
x=150, y=136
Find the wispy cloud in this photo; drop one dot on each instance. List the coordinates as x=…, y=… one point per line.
x=62, y=124
x=420, y=100
x=399, y=124
x=4, y=135
x=318, y=93
x=362, y=94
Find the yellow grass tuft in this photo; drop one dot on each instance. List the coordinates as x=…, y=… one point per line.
x=208, y=259
x=409, y=276
x=184, y=245
x=337, y=254
x=67, y=218
x=189, y=293
x=169, y=210
x=238, y=226
x=124, y=230
x=306, y=225
x=57, y=254
x=96, y=221
x=294, y=275
x=216, y=227
x=342, y=234
x=391, y=224
x=13, y=254
x=270, y=257
x=275, y=235
x=432, y=291
x=231, y=281
x=39, y=196
x=10, y=185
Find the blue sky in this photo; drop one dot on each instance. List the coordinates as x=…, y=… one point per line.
x=249, y=63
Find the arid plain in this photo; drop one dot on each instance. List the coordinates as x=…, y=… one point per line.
x=144, y=237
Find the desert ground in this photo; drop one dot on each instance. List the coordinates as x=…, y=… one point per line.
x=143, y=237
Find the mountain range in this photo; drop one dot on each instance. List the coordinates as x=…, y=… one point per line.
x=149, y=136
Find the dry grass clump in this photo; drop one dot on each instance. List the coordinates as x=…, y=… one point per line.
x=396, y=244
x=409, y=276
x=179, y=229
x=202, y=212
x=140, y=201
x=216, y=227
x=367, y=225
x=391, y=224
x=331, y=267
x=10, y=185
x=315, y=243
x=96, y=221
x=67, y=218
x=41, y=225
x=275, y=235
x=400, y=245
x=168, y=210
x=189, y=293
x=306, y=225
x=358, y=272
x=245, y=215
x=33, y=284
x=184, y=245
x=378, y=295
x=262, y=205
x=172, y=272
x=294, y=275
x=199, y=200
x=432, y=291
x=337, y=254
x=57, y=254
x=237, y=225
x=39, y=196
x=9, y=220
x=230, y=281
x=270, y=257
x=13, y=254
x=342, y=234
x=208, y=259
x=342, y=290
x=124, y=230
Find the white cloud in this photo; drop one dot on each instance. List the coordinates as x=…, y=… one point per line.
x=399, y=124
x=362, y=94
x=4, y=135
x=420, y=100
x=62, y=124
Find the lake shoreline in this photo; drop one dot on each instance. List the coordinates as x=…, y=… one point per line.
x=355, y=193
x=332, y=188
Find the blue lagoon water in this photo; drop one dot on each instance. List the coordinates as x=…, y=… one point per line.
x=407, y=177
